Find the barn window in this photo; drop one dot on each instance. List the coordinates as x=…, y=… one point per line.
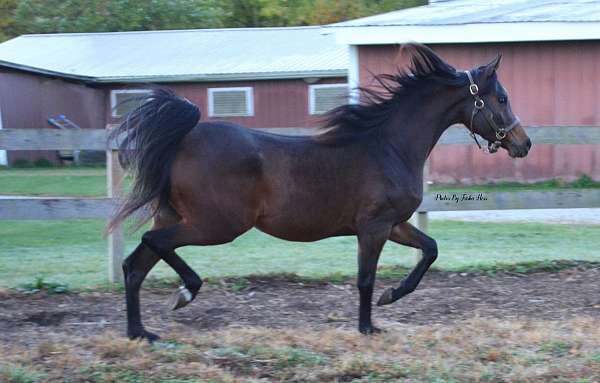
x=324, y=97
x=227, y=102
x=122, y=101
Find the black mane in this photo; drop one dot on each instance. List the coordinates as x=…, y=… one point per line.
x=378, y=105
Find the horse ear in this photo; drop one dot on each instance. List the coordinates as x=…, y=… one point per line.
x=491, y=68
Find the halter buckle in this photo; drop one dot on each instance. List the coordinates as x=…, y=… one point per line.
x=479, y=103
x=501, y=134
x=474, y=89
x=493, y=147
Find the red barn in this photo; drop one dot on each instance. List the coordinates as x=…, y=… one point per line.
x=258, y=77
x=551, y=68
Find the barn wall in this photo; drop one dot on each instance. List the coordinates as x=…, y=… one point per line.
x=554, y=83
x=277, y=103
x=27, y=101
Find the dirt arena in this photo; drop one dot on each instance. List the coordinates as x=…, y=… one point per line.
x=567, y=300
x=440, y=299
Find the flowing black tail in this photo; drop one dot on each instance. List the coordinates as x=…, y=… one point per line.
x=148, y=139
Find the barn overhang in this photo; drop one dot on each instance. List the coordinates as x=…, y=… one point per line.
x=214, y=77
x=465, y=33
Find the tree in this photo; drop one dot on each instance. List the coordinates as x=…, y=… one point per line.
x=51, y=16
x=332, y=11
x=261, y=13
x=7, y=22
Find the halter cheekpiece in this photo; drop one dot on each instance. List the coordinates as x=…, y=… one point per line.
x=479, y=106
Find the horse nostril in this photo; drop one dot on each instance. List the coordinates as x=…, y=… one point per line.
x=529, y=144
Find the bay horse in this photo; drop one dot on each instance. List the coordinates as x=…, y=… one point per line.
x=360, y=175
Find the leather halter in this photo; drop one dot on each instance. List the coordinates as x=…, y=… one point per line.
x=479, y=106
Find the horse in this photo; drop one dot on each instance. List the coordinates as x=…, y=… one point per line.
x=360, y=174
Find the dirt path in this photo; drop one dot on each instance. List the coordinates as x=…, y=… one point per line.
x=442, y=298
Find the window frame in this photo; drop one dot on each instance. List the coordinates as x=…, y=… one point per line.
x=113, y=98
x=312, y=98
x=249, y=100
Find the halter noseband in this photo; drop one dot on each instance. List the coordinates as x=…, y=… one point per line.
x=479, y=106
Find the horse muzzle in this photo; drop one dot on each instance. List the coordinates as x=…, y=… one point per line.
x=518, y=150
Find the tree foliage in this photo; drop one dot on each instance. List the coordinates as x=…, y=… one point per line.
x=7, y=20
x=263, y=13
x=52, y=16
x=49, y=16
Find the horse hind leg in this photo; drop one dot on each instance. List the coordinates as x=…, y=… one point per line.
x=165, y=240
x=156, y=244
x=135, y=268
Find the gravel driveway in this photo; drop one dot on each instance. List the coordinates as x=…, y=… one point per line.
x=587, y=216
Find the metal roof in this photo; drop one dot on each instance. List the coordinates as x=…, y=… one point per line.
x=183, y=55
x=477, y=21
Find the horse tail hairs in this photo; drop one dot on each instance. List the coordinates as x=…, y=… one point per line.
x=148, y=140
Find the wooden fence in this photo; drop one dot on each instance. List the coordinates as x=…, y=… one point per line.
x=42, y=208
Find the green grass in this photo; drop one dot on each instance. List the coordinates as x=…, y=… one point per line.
x=91, y=182
x=54, y=253
x=86, y=182
x=74, y=252
x=10, y=373
x=584, y=182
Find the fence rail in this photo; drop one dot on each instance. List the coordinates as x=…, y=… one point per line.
x=53, y=208
x=96, y=139
x=42, y=208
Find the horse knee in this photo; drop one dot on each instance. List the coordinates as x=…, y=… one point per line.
x=430, y=250
x=365, y=283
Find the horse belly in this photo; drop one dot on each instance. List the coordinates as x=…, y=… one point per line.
x=305, y=222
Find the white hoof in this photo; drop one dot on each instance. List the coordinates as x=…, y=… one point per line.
x=180, y=298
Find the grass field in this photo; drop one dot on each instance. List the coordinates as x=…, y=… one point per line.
x=92, y=182
x=74, y=252
x=475, y=350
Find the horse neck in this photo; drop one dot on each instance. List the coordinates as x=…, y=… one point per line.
x=419, y=123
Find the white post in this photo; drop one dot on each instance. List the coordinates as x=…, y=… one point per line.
x=353, y=74
x=3, y=156
x=420, y=219
x=116, y=242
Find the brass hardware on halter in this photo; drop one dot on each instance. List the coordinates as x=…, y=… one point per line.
x=474, y=89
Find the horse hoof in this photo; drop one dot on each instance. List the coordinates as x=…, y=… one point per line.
x=180, y=298
x=142, y=334
x=369, y=330
x=386, y=298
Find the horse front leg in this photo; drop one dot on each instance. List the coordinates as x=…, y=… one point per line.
x=408, y=235
x=370, y=243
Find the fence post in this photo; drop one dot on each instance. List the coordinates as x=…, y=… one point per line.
x=420, y=219
x=116, y=242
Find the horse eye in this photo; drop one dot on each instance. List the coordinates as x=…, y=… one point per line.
x=502, y=99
